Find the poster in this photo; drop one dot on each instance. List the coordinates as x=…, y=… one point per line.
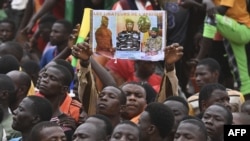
x=128, y=34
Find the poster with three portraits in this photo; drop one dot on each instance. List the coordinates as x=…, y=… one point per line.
x=128, y=34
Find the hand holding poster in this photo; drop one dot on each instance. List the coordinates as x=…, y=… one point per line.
x=129, y=34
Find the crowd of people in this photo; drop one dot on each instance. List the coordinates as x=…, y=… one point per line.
x=202, y=84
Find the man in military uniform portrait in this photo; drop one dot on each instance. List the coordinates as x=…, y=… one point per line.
x=128, y=40
x=154, y=43
x=103, y=36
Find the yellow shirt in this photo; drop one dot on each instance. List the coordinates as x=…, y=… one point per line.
x=237, y=11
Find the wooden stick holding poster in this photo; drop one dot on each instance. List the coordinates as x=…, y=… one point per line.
x=128, y=34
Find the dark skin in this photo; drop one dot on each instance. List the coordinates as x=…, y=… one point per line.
x=206, y=42
x=46, y=7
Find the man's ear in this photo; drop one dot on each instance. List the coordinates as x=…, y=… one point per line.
x=36, y=119
x=151, y=129
x=203, y=106
x=4, y=94
x=65, y=88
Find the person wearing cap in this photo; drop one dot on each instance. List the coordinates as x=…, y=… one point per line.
x=154, y=43
x=129, y=39
x=103, y=36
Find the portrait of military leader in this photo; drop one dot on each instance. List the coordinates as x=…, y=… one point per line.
x=129, y=39
x=153, y=43
x=103, y=36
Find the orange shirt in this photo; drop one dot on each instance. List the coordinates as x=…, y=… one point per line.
x=136, y=119
x=237, y=10
x=71, y=107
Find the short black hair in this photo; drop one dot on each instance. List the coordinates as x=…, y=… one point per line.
x=67, y=77
x=245, y=103
x=13, y=48
x=212, y=64
x=42, y=107
x=68, y=25
x=206, y=92
x=106, y=120
x=8, y=63
x=47, y=19
x=122, y=95
x=229, y=116
x=128, y=122
x=162, y=117
x=6, y=83
x=197, y=122
x=30, y=67
x=11, y=22
x=65, y=64
x=36, y=130
x=179, y=99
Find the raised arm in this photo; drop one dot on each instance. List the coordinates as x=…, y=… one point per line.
x=169, y=85
x=46, y=7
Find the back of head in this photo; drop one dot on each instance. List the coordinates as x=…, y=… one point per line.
x=150, y=92
x=245, y=107
x=6, y=84
x=206, y=92
x=20, y=78
x=67, y=25
x=13, y=48
x=35, y=134
x=8, y=63
x=42, y=107
x=47, y=19
x=162, y=117
x=107, y=122
x=32, y=68
x=179, y=99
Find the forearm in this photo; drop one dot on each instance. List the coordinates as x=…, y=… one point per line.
x=46, y=7
x=27, y=14
x=64, y=54
x=105, y=77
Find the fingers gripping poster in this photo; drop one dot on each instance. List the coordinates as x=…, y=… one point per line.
x=128, y=34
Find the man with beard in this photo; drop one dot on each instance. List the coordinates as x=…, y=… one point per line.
x=154, y=43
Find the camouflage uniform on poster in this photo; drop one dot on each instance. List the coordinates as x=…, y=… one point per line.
x=154, y=43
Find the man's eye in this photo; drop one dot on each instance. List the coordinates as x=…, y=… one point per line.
x=117, y=136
